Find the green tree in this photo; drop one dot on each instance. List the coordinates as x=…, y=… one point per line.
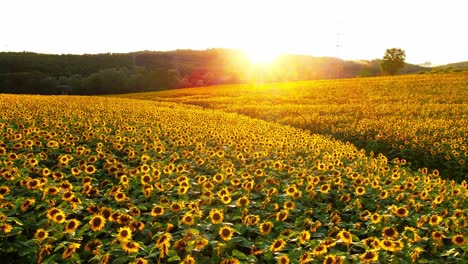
x=393, y=61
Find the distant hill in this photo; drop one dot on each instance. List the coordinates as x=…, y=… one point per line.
x=457, y=65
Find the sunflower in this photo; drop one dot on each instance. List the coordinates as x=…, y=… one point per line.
x=369, y=257
x=5, y=228
x=277, y=245
x=282, y=215
x=41, y=234
x=137, y=225
x=398, y=245
x=390, y=233
x=90, y=169
x=130, y=246
x=176, y=207
x=120, y=196
x=146, y=179
x=325, y=188
x=457, y=213
x=305, y=258
x=372, y=242
x=332, y=259
x=383, y=194
x=289, y=205
x=401, y=212
x=364, y=215
x=124, y=219
x=164, y=239
x=230, y=261
x=252, y=220
x=291, y=190
x=226, y=233
x=27, y=203
x=208, y=186
x=201, y=243
x=218, y=178
x=182, y=190
x=140, y=261
x=75, y=171
x=265, y=228
x=437, y=235
x=52, y=212
x=68, y=196
x=59, y=218
x=188, y=260
x=106, y=212
x=304, y=236
x=435, y=220
x=93, y=245
x=226, y=199
x=345, y=237
x=320, y=250
x=438, y=200
x=97, y=222
x=360, y=190
x=188, y=219
x=411, y=234
x=458, y=240
x=72, y=247
x=242, y=201
x=32, y=184
x=388, y=245
x=328, y=242
x=157, y=211
x=216, y=216
x=71, y=226
x=4, y=190
x=124, y=234
x=283, y=259
x=376, y=218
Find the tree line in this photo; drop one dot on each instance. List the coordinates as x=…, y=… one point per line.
x=110, y=73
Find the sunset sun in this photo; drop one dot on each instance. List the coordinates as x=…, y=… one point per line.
x=261, y=55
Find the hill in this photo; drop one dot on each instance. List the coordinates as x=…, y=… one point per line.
x=27, y=72
x=457, y=65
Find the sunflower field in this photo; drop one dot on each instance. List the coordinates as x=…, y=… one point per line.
x=115, y=180
x=420, y=118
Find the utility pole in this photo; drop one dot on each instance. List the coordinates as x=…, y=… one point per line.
x=338, y=46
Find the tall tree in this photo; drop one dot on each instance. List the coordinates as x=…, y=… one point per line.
x=393, y=61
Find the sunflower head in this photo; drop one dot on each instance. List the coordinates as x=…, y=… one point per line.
x=124, y=234
x=216, y=216
x=97, y=222
x=226, y=233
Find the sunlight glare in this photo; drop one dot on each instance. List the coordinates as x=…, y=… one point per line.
x=261, y=55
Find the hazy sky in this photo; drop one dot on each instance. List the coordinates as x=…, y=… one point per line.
x=428, y=30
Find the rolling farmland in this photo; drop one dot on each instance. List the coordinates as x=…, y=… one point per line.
x=196, y=175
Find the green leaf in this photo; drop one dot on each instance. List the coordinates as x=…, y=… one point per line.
x=241, y=241
x=239, y=255
x=16, y=220
x=121, y=260
x=174, y=258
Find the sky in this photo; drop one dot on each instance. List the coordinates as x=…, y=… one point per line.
x=428, y=30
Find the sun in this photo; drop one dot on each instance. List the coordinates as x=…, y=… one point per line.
x=261, y=55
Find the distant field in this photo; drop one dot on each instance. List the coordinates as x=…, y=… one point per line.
x=420, y=118
x=112, y=180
